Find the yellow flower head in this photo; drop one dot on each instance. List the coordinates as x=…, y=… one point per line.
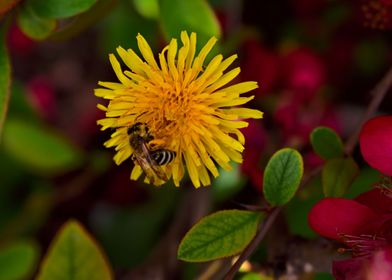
x=177, y=109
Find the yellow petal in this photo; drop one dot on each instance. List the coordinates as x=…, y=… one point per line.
x=122, y=155
x=131, y=60
x=183, y=53
x=171, y=58
x=111, y=85
x=104, y=93
x=235, y=102
x=205, y=157
x=106, y=123
x=136, y=172
x=233, y=154
x=237, y=89
x=224, y=79
x=192, y=170
x=204, y=176
x=146, y=51
x=102, y=107
x=163, y=63
x=117, y=70
x=199, y=60
x=226, y=139
x=246, y=113
x=192, y=49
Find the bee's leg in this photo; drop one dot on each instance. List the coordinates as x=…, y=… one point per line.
x=154, y=144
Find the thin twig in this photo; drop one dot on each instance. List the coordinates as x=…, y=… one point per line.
x=378, y=94
x=262, y=231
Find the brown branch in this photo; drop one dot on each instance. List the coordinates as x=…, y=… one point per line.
x=378, y=94
x=262, y=231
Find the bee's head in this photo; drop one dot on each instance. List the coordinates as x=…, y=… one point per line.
x=141, y=130
x=135, y=129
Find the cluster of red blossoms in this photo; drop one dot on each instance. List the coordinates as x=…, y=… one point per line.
x=363, y=225
x=293, y=79
x=377, y=14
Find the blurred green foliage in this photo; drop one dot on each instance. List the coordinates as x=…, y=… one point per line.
x=5, y=76
x=39, y=149
x=129, y=233
x=74, y=255
x=337, y=176
x=18, y=260
x=326, y=143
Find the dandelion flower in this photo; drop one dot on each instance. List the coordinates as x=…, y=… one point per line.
x=186, y=105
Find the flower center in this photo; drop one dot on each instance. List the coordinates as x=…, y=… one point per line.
x=364, y=245
x=170, y=114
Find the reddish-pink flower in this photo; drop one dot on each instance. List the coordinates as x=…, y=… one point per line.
x=377, y=14
x=380, y=265
x=376, y=143
x=363, y=225
x=18, y=42
x=304, y=73
x=332, y=217
x=41, y=95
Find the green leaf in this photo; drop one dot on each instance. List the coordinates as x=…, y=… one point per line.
x=337, y=176
x=323, y=276
x=5, y=77
x=39, y=149
x=131, y=228
x=20, y=106
x=282, y=176
x=83, y=21
x=222, y=234
x=59, y=8
x=34, y=26
x=120, y=28
x=147, y=8
x=326, y=143
x=74, y=255
x=363, y=182
x=18, y=260
x=297, y=210
x=191, y=16
x=254, y=276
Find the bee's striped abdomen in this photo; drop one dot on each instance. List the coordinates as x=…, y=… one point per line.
x=162, y=156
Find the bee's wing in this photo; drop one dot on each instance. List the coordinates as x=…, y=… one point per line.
x=156, y=168
x=146, y=166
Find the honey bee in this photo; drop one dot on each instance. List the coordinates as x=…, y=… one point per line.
x=149, y=161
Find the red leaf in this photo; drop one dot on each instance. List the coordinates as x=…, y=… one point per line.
x=331, y=217
x=376, y=143
x=376, y=200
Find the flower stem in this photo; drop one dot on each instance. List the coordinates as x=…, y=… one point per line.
x=378, y=93
x=261, y=232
